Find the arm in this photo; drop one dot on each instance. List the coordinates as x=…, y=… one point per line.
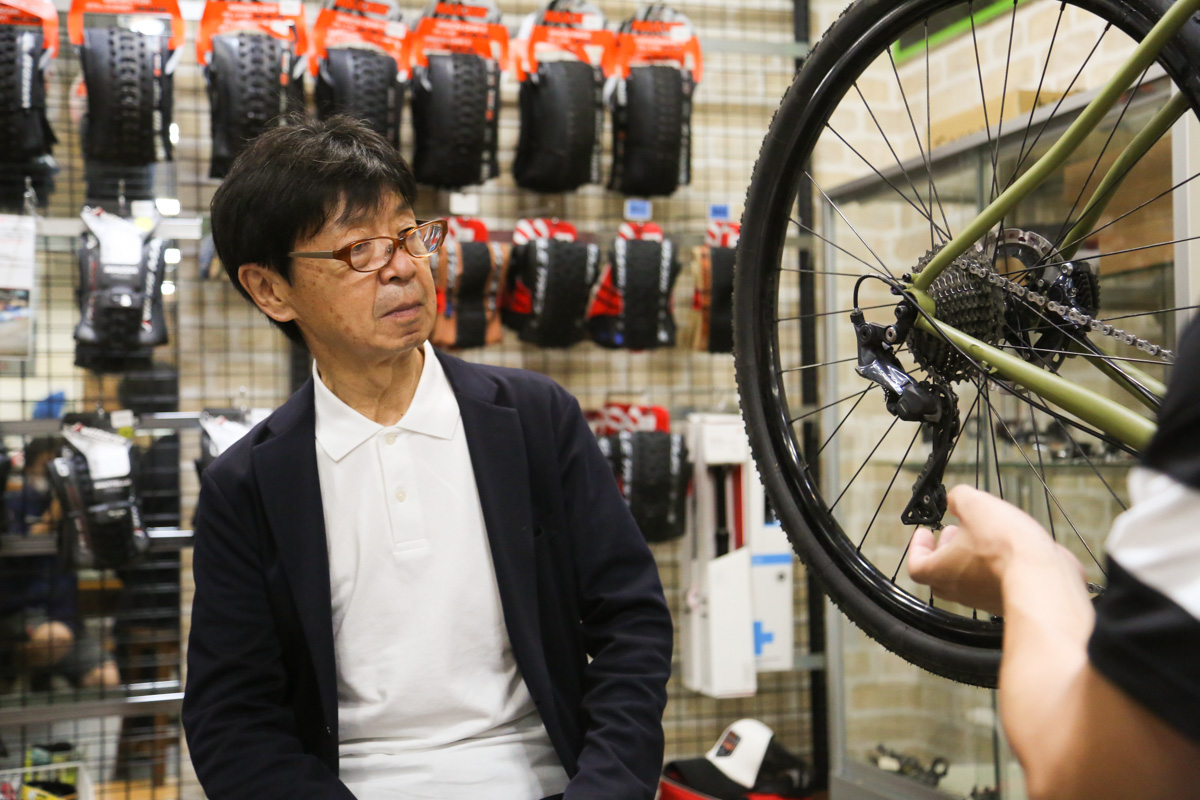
x=240, y=730
x=1075, y=733
x=626, y=625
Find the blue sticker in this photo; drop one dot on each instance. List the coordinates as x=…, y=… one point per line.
x=761, y=637
x=637, y=210
x=718, y=212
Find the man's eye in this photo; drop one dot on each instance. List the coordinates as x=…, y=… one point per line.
x=361, y=249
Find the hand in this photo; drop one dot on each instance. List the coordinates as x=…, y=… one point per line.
x=966, y=564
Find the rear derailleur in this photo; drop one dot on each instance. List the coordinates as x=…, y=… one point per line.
x=931, y=403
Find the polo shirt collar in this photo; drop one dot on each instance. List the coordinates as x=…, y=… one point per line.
x=433, y=412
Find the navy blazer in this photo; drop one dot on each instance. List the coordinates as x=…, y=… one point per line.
x=579, y=589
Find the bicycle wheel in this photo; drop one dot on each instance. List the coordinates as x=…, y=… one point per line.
x=906, y=119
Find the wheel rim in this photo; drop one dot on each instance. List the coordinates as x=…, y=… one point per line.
x=775, y=394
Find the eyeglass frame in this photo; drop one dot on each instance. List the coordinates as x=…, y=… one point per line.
x=343, y=253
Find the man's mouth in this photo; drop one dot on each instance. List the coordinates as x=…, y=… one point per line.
x=404, y=309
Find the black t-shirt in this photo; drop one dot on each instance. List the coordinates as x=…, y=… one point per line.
x=1147, y=635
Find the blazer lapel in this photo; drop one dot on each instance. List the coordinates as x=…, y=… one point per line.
x=286, y=468
x=501, y=467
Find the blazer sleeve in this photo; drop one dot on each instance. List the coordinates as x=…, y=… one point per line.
x=241, y=733
x=626, y=625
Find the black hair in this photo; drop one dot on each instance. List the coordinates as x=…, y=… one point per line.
x=287, y=184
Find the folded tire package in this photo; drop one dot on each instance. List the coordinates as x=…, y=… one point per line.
x=643, y=273
x=363, y=84
x=713, y=280
x=469, y=277
x=130, y=95
x=456, y=112
x=24, y=128
x=557, y=276
x=95, y=485
x=120, y=299
x=252, y=84
x=562, y=117
x=653, y=471
x=652, y=142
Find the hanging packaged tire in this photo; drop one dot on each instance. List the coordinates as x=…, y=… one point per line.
x=560, y=275
x=361, y=83
x=562, y=115
x=653, y=471
x=643, y=274
x=471, y=289
x=249, y=88
x=714, y=289
x=24, y=128
x=652, y=132
x=129, y=97
x=455, y=108
x=120, y=299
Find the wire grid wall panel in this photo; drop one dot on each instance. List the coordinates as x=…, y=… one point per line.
x=226, y=355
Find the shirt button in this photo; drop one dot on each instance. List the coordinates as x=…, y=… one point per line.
x=390, y=438
x=400, y=495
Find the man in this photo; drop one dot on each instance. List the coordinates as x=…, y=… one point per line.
x=1103, y=702
x=417, y=578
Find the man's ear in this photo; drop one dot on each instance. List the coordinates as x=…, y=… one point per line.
x=269, y=291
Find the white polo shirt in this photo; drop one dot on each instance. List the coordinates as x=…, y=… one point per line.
x=430, y=701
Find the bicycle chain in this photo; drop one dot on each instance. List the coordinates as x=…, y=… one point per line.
x=1068, y=313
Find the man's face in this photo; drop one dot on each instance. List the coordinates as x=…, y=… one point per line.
x=348, y=314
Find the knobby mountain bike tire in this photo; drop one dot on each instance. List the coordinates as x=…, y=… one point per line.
x=652, y=132
x=455, y=108
x=362, y=84
x=23, y=123
x=878, y=190
x=561, y=117
x=130, y=97
x=249, y=88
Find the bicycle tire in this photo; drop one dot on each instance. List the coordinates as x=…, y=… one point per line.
x=119, y=68
x=247, y=92
x=362, y=84
x=650, y=151
x=954, y=646
x=455, y=115
x=560, y=115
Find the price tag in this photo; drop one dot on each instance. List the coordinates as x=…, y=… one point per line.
x=290, y=8
x=464, y=205
x=718, y=212
x=638, y=210
x=122, y=418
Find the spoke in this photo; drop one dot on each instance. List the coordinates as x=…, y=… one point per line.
x=887, y=491
x=831, y=405
x=1127, y=250
x=839, y=427
x=1003, y=96
x=815, y=366
x=862, y=466
x=853, y=230
x=832, y=244
x=1053, y=496
x=828, y=313
x=924, y=212
x=1146, y=313
x=1088, y=459
x=1038, y=94
x=962, y=428
x=1067, y=224
x=1037, y=445
x=987, y=398
x=1098, y=356
x=987, y=126
x=1054, y=113
x=1112, y=188
x=822, y=272
x=903, y=556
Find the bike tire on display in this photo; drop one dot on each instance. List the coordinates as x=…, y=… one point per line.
x=249, y=88
x=23, y=123
x=652, y=132
x=653, y=471
x=455, y=108
x=644, y=273
x=561, y=119
x=560, y=276
x=781, y=373
x=129, y=96
x=361, y=83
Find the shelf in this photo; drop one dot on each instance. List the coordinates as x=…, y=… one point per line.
x=162, y=540
x=96, y=705
x=173, y=420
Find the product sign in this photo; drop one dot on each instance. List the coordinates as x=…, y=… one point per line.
x=17, y=259
x=643, y=231
x=574, y=27
x=358, y=23
x=527, y=230
x=283, y=20
x=467, y=229
x=722, y=234
x=656, y=33
x=448, y=27
x=33, y=12
x=148, y=8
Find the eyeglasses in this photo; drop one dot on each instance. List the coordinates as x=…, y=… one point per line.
x=371, y=255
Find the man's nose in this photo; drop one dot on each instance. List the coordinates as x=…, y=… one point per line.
x=401, y=266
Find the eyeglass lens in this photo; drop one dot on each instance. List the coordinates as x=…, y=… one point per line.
x=373, y=254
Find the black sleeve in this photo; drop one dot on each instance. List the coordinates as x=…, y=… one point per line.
x=240, y=730
x=626, y=625
x=1175, y=448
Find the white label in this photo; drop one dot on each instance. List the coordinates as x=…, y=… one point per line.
x=142, y=208
x=396, y=30
x=289, y=8
x=122, y=418
x=17, y=260
x=638, y=210
x=464, y=205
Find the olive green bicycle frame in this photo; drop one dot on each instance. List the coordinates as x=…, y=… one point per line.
x=1108, y=416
